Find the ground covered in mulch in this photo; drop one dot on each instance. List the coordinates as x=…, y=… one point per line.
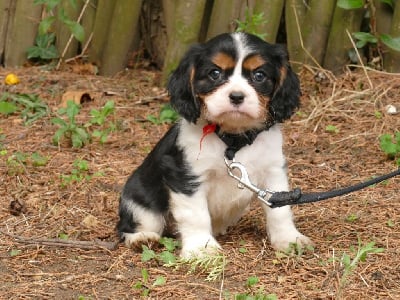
x=332, y=141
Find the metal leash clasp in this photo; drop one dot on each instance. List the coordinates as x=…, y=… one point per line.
x=244, y=181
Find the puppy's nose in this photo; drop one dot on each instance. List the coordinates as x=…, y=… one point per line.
x=236, y=98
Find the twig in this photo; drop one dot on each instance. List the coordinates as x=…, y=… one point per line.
x=360, y=60
x=86, y=245
x=72, y=36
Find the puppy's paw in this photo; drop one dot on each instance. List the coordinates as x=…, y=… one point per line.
x=134, y=240
x=198, y=246
x=283, y=242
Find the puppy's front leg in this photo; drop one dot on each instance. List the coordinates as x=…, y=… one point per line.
x=194, y=224
x=280, y=226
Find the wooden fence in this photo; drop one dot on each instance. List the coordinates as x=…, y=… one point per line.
x=316, y=32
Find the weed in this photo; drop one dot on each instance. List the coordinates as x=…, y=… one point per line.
x=144, y=286
x=63, y=236
x=167, y=115
x=99, y=119
x=251, y=23
x=242, y=249
x=16, y=163
x=212, y=265
x=360, y=255
x=14, y=252
x=331, y=129
x=30, y=106
x=70, y=130
x=254, y=294
x=391, y=145
x=79, y=173
x=44, y=48
x=352, y=218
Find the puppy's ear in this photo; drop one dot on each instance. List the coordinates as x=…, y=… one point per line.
x=180, y=86
x=286, y=97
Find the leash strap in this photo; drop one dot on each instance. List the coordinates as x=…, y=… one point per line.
x=296, y=197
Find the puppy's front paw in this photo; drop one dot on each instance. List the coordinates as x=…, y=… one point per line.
x=283, y=241
x=198, y=246
x=133, y=240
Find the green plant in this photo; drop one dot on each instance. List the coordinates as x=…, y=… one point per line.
x=70, y=130
x=360, y=255
x=44, y=48
x=79, y=173
x=370, y=38
x=254, y=294
x=251, y=23
x=99, y=119
x=144, y=286
x=167, y=115
x=390, y=145
x=16, y=163
x=30, y=106
x=331, y=129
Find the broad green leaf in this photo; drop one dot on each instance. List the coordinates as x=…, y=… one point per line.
x=167, y=257
x=7, y=108
x=160, y=280
x=350, y=4
x=45, y=25
x=147, y=254
x=393, y=43
x=365, y=36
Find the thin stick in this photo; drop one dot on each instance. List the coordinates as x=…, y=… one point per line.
x=360, y=60
x=72, y=36
x=87, y=245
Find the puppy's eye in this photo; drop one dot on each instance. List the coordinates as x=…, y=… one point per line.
x=215, y=74
x=259, y=76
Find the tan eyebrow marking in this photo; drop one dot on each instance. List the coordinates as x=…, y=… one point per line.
x=223, y=60
x=253, y=62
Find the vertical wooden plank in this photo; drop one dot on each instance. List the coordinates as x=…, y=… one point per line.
x=187, y=21
x=21, y=32
x=339, y=44
x=5, y=6
x=272, y=13
x=104, y=13
x=223, y=16
x=122, y=32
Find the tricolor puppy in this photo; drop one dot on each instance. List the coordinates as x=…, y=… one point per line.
x=232, y=92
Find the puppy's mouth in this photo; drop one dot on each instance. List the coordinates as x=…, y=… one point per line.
x=236, y=121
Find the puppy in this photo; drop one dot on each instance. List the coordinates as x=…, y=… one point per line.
x=232, y=92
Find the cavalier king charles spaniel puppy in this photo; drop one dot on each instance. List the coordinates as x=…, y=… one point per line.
x=231, y=92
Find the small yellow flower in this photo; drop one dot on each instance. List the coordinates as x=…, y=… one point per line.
x=11, y=79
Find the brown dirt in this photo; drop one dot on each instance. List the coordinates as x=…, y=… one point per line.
x=86, y=210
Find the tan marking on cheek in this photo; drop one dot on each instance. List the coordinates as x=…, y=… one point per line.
x=253, y=62
x=264, y=106
x=224, y=61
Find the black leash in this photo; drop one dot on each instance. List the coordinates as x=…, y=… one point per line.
x=296, y=197
x=235, y=142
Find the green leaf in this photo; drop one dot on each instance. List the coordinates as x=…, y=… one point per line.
x=45, y=25
x=365, y=37
x=7, y=108
x=350, y=4
x=77, y=31
x=38, y=160
x=63, y=236
x=147, y=254
x=160, y=280
x=14, y=252
x=167, y=257
x=391, y=42
x=251, y=281
x=145, y=275
x=169, y=243
x=387, y=145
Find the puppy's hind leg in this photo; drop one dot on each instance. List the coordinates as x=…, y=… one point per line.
x=138, y=225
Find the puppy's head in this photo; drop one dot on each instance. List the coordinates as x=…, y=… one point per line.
x=236, y=81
